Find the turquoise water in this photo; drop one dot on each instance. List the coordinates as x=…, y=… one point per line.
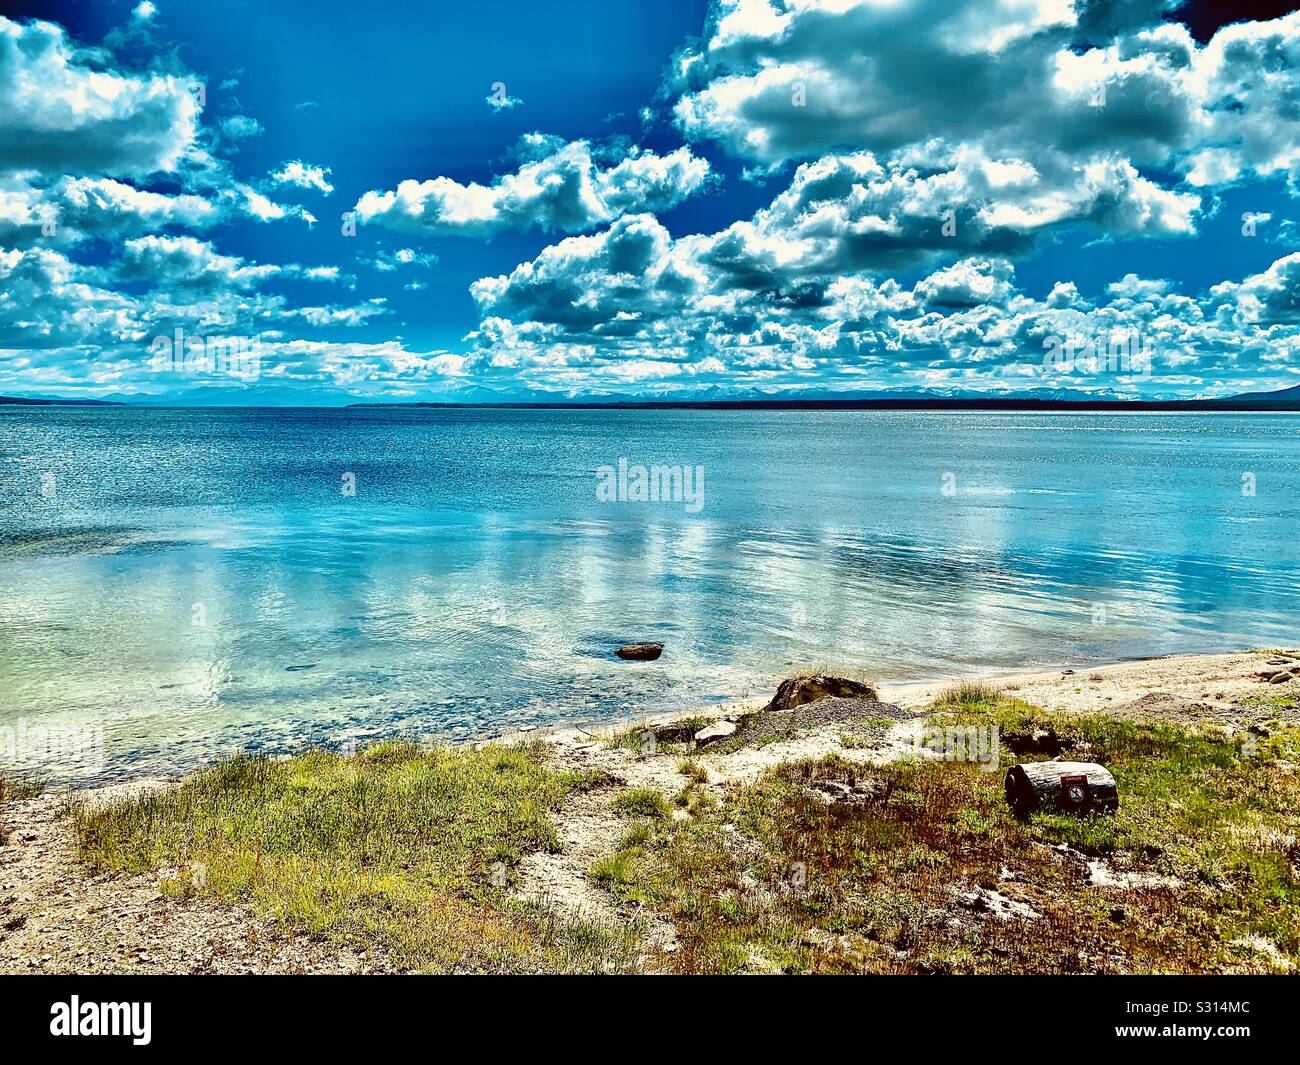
x=185, y=583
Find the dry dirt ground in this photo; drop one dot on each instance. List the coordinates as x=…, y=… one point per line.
x=54, y=919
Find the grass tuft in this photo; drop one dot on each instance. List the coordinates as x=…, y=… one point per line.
x=641, y=802
x=16, y=786
x=968, y=694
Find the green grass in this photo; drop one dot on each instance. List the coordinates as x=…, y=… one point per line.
x=638, y=737
x=1286, y=697
x=618, y=872
x=771, y=878
x=640, y=802
x=414, y=852
x=633, y=739
x=15, y=786
x=968, y=693
x=741, y=741
x=408, y=849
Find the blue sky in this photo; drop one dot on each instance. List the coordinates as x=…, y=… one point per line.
x=587, y=199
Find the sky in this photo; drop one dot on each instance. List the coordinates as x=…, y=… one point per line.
x=292, y=202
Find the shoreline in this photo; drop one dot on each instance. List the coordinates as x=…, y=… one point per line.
x=1182, y=670
x=912, y=692
x=58, y=916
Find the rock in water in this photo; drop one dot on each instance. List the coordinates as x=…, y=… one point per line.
x=640, y=652
x=799, y=690
x=1070, y=787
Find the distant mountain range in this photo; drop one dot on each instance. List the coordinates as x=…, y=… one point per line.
x=39, y=401
x=474, y=396
x=1041, y=399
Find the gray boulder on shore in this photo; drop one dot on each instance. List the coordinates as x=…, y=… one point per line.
x=800, y=690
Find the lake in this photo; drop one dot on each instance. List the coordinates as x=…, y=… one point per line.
x=179, y=584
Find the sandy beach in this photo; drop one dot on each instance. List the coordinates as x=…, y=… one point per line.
x=1215, y=683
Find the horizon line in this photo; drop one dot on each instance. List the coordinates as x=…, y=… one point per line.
x=1241, y=402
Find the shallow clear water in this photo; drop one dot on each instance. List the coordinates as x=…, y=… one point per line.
x=191, y=582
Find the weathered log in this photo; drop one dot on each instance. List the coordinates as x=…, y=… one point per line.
x=1069, y=787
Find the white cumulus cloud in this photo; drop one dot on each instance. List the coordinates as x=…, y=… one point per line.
x=570, y=188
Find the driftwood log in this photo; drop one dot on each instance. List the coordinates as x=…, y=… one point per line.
x=1068, y=787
